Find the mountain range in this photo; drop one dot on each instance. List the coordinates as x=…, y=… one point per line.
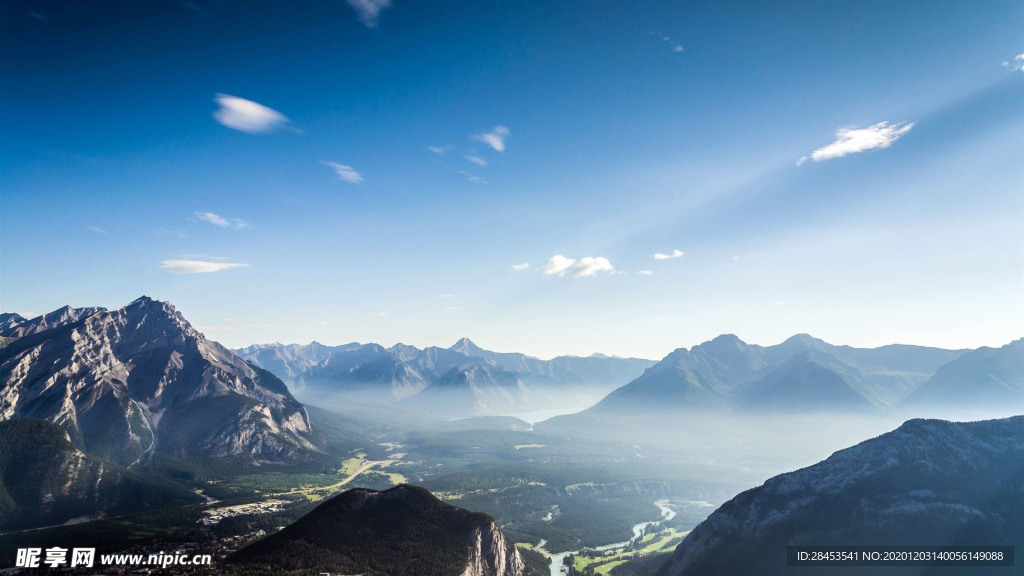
x=140, y=382
x=982, y=377
x=928, y=483
x=90, y=396
x=462, y=380
x=805, y=374
x=404, y=530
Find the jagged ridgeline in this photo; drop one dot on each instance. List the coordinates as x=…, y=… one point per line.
x=404, y=530
x=140, y=384
x=45, y=480
x=463, y=380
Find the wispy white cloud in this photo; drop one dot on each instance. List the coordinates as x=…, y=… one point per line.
x=216, y=220
x=1017, y=64
x=472, y=177
x=213, y=219
x=558, y=264
x=495, y=138
x=96, y=229
x=346, y=173
x=676, y=47
x=590, y=266
x=198, y=266
x=644, y=272
x=247, y=116
x=447, y=295
x=674, y=254
x=441, y=150
x=852, y=140
x=476, y=160
x=520, y=267
x=369, y=11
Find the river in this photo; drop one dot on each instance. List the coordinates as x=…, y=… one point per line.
x=638, y=532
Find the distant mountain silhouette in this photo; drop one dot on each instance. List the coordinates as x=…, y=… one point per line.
x=982, y=378
x=800, y=374
x=475, y=389
x=370, y=373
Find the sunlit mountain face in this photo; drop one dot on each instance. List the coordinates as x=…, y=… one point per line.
x=506, y=288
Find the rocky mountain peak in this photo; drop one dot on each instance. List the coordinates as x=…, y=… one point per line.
x=119, y=381
x=14, y=328
x=466, y=347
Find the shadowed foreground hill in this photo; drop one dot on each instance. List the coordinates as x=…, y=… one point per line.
x=45, y=480
x=928, y=483
x=404, y=530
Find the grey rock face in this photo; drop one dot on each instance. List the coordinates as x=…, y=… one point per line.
x=138, y=381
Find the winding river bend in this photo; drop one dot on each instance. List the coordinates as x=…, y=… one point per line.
x=638, y=532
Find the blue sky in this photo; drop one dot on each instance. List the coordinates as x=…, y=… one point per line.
x=373, y=170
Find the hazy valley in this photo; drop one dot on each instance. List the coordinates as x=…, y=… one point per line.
x=134, y=431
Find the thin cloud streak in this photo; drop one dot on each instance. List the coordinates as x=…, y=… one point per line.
x=472, y=177
x=220, y=221
x=853, y=140
x=198, y=266
x=344, y=172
